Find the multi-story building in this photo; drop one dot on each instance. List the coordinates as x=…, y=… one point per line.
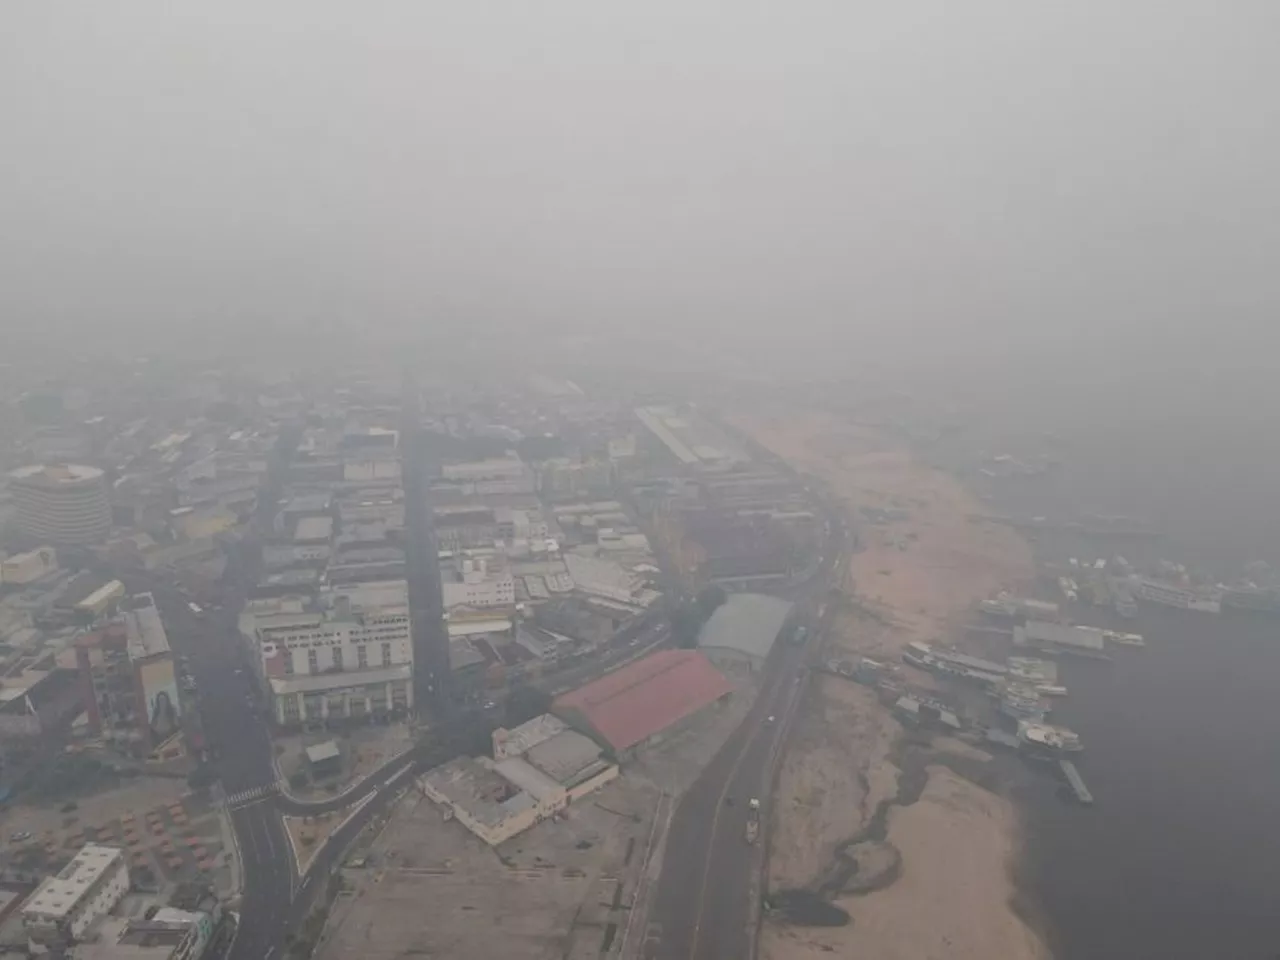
x=501, y=475
x=61, y=504
x=167, y=934
x=459, y=526
x=24, y=568
x=128, y=683
x=65, y=905
x=287, y=553
x=472, y=583
x=372, y=505
x=515, y=524
x=563, y=477
x=348, y=657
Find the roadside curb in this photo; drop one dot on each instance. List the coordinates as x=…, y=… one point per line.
x=348, y=795
x=237, y=870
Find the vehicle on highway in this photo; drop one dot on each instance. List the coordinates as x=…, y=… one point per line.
x=195, y=608
x=753, y=820
x=769, y=719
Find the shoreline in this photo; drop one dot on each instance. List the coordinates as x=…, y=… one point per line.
x=919, y=844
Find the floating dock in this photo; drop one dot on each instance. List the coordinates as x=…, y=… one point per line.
x=1077, y=782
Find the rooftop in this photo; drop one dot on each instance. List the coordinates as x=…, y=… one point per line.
x=122, y=938
x=488, y=797
x=528, y=778
x=323, y=751
x=632, y=704
x=517, y=740
x=59, y=894
x=145, y=629
x=56, y=475
x=314, y=528
x=567, y=758
x=746, y=622
x=345, y=678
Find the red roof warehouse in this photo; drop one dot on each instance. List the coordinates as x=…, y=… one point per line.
x=630, y=705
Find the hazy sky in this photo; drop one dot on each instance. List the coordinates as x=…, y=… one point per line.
x=953, y=177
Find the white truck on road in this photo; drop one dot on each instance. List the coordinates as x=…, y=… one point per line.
x=753, y=820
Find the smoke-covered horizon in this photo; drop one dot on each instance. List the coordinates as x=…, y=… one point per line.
x=983, y=184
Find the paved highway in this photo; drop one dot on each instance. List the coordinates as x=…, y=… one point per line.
x=703, y=907
x=433, y=674
x=236, y=731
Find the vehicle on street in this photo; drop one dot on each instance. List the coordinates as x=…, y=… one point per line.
x=20, y=835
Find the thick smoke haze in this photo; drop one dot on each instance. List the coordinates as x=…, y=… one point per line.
x=991, y=180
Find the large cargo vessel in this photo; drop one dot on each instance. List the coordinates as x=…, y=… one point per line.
x=1021, y=703
x=1173, y=595
x=1251, y=599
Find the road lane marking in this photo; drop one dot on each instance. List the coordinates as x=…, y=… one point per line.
x=271, y=844
x=715, y=820
x=251, y=843
x=253, y=793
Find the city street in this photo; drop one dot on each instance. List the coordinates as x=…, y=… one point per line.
x=239, y=737
x=703, y=909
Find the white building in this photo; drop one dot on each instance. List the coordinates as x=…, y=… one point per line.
x=62, y=503
x=286, y=553
x=602, y=578
x=88, y=887
x=371, y=471
x=168, y=934
x=500, y=475
x=515, y=524
x=542, y=767
x=23, y=568
x=509, y=467
x=473, y=584
x=101, y=599
x=370, y=506
x=351, y=658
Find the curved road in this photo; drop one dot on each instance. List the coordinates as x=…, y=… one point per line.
x=704, y=908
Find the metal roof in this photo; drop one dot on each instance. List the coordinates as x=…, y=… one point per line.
x=632, y=704
x=747, y=622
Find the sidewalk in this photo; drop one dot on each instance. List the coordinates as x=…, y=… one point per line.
x=232, y=847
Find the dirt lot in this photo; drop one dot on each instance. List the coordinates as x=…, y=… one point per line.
x=922, y=565
x=563, y=890
x=560, y=890
x=169, y=834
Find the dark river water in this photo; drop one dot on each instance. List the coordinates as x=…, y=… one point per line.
x=1180, y=855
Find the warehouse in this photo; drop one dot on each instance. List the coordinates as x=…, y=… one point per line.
x=645, y=700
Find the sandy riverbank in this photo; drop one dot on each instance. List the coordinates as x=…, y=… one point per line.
x=951, y=899
x=918, y=572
